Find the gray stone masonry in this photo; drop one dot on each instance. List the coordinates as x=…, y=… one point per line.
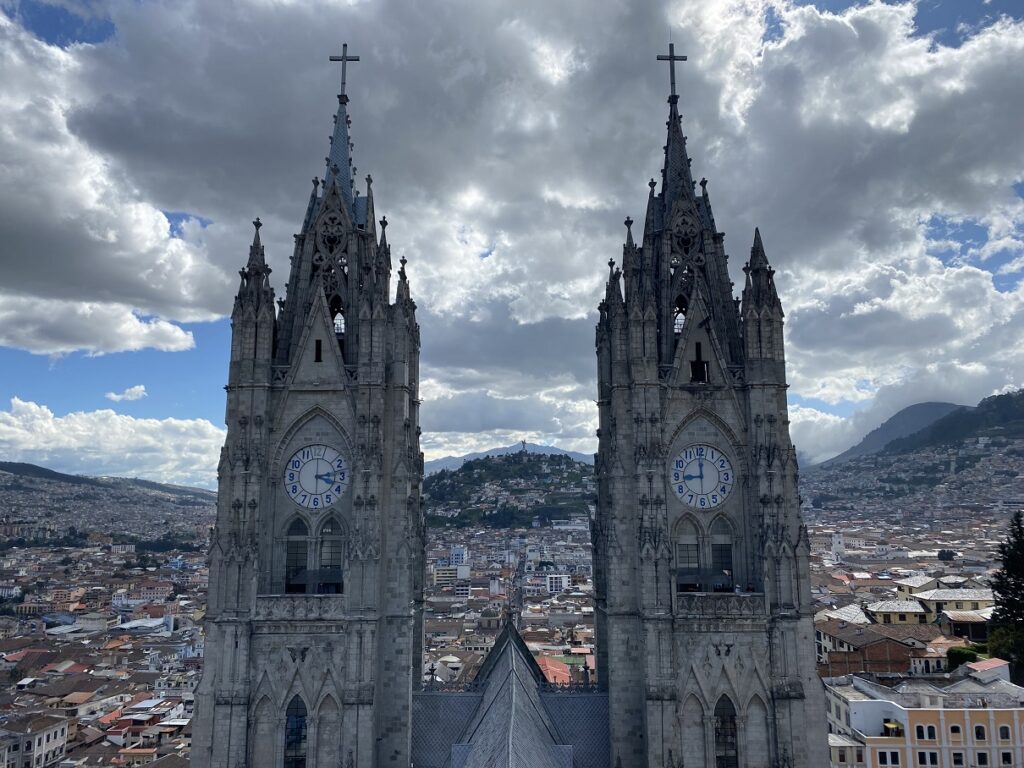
x=703, y=602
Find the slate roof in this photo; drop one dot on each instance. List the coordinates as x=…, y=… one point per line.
x=511, y=728
x=896, y=606
x=508, y=721
x=952, y=595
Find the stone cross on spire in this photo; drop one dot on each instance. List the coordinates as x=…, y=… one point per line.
x=345, y=59
x=671, y=58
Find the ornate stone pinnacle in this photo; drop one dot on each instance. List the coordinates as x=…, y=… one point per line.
x=652, y=184
x=384, y=225
x=628, y=222
x=257, y=223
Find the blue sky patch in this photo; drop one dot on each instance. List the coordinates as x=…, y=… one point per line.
x=178, y=218
x=59, y=26
x=181, y=385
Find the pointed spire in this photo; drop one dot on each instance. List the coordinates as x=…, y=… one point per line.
x=384, y=236
x=629, y=232
x=676, y=179
x=256, y=259
x=339, y=162
x=758, y=259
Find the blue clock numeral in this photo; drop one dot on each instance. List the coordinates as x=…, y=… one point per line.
x=304, y=497
x=721, y=464
x=689, y=499
x=340, y=463
x=725, y=476
x=341, y=476
x=724, y=490
x=316, y=501
x=296, y=463
x=337, y=489
x=703, y=501
x=295, y=489
x=327, y=498
x=714, y=498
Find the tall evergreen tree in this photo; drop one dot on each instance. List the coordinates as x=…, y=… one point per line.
x=1008, y=581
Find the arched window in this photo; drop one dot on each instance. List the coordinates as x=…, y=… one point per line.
x=1004, y=733
x=339, y=324
x=931, y=732
x=979, y=733
x=723, y=576
x=687, y=557
x=679, y=315
x=919, y=731
x=725, y=734
x=295, y=734
x=955, y=731
x=329, y=576
x=296, y=558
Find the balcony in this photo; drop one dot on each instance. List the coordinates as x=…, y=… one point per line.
x=299, y=607
x=717, y=605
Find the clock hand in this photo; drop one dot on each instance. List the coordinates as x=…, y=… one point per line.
x=700, y=463
x=327, y=478
x=691, y=477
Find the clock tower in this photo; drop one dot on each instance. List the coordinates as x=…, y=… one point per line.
x=703, y=605
x=316, y=564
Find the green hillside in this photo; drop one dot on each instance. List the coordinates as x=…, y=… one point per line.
x=996, y=416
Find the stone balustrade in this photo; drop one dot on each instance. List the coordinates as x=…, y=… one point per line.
x=700, y=605
x=299, y=607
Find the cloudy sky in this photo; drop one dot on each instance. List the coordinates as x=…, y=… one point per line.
x=878, y=146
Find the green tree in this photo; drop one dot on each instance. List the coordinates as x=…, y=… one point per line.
x=946, y=555
x=1007, y=641
x=1008, y=581
x=958, y=656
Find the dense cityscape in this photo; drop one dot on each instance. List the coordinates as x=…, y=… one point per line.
x=101, y=625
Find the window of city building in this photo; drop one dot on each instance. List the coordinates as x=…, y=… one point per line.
x=1006, y=758
x=981, y=758
x=979, y=733
x=721, y=554
x=841, y=754
x=958, y=758
x=295, y=734
x=1004, y=733
x=726, y=755
x=931, y=732
x=329, y=574
x=296, y=557
x=919, y=732
x=955, y=732
x=883, y=758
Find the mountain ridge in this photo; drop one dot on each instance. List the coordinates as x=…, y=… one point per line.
x=454, y=462
x=904, y=422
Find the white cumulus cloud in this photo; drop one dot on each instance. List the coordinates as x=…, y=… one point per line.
x=132, y=393
x=103, y=442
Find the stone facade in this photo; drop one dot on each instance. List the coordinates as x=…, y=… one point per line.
x=704, y=623
x=316, y=565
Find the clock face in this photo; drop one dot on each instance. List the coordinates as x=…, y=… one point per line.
x=702, y=476
x=316, y=476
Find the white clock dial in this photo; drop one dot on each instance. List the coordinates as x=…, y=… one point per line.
x=316, y=476
x=702, y=476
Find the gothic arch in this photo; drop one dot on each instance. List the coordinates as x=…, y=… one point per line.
x=263, y=740
x=296, y=733
x=302, y=420
x=328, y=732
x=717, y=422
x=726, y=744
x=756, y=744
x=692, y=727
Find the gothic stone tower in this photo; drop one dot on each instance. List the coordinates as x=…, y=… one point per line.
x=314, y=623
x=701, y=558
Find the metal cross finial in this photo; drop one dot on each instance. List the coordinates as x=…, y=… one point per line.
x=671, y=58
x=257, y=223
x=344, y=59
